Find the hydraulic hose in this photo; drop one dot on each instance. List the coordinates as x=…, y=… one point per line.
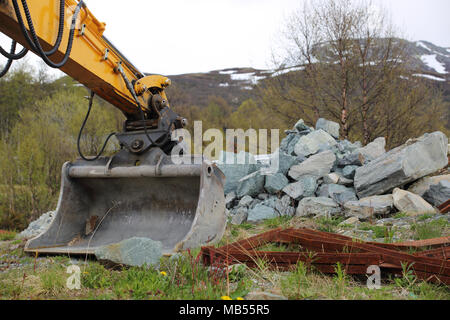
x=91, y=100
x=9, y=62
x=34, y=41
x=12, y=55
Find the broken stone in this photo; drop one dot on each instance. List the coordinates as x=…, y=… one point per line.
x=37, y=226
x=406, y=163
x=349, y=171
x=338, y=193
x=239, y=166
x=365, y=154
x=245, y=201
x=411, y=203
x=275, y=183
x=285, y=161
x=135, y=251
x=368, y=207
x=301, y=126
x=349, y=221
x=438, y=193
x=331, y=178
x=317, y=206
x=345, y=182
x=229, y=199
x=328, y=126
x=251, y=185
x=261, y=212
x=263, y=196
x=422, y=185
x=283, y=206
x=312, y=142
x=317, y=165
x=239, y=216
x=304, y=187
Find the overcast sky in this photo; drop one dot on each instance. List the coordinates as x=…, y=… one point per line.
x=183, y=36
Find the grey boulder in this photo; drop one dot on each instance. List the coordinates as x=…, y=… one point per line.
x=338, y=193
x=423, y=184
x=235, y=167
x=276, y=182
x=317, y=165
x=245, y=201
x=251, y=185
x=313, y=142
x=365, y=154
x=370, y=206
x=305, y=187
x=261, y=212
x=411, y=203
x=239, y=215
x=135, y=251
x=438, y=193
x=406, y=163
x=313, y=206
x=283, y=206
x=37, y=226
x=328, y=126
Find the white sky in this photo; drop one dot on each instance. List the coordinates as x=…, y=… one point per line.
x=183, y=36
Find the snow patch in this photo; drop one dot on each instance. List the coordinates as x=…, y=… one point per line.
x=423, y=45
x=227, y=72
x=431, y=61
x=283, y=71
x=248, y=77
x=226, y=84
x=428, y=76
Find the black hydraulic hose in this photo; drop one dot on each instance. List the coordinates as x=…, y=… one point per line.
x=91, y=100
x=12, y=55
x=34, y=41
x=10, y=61
x=60, y=29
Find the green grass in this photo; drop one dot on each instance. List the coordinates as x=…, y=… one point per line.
x=329, y=224
x=7, y=235
x=428, y=230
x=184, y=277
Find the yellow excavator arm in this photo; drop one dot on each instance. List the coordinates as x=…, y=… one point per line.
x=93, y=60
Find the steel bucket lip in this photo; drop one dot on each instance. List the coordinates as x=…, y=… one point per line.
x=213, y=197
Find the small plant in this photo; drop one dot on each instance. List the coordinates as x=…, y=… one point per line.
x=424, y=217
x=277, y=222
x=400, y=215
x=408, y=277
x=428, y=230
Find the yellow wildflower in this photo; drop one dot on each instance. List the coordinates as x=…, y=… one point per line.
x=163, y=273
x=225, y=298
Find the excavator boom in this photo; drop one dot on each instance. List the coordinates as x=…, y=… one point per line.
x=93, y=59
x=139, y=191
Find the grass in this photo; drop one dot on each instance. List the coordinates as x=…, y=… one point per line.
x=328, y=224
x=431, y=229
x=7, y=235
x=184, y=277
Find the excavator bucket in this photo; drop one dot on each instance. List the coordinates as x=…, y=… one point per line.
x=125, y=196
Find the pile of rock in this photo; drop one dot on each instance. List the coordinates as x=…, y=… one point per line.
x=320, y=175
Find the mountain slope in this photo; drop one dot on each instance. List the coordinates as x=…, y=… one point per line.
x=236, y=84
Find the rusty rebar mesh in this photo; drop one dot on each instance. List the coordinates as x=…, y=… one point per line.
x=444, y=207
x=324, y=250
